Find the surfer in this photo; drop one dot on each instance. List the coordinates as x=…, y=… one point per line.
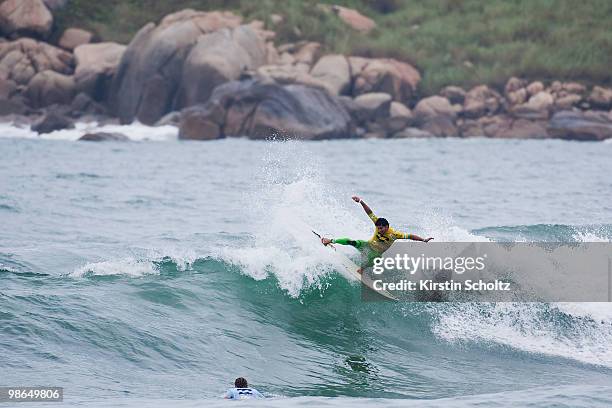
x=381, y=240
x=241, y=390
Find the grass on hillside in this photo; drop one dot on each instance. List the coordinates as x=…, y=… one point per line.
x=458, y=42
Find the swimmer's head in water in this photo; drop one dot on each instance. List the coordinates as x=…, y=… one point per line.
x=241, y=383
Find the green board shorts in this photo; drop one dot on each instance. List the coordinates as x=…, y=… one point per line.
x=367, y=253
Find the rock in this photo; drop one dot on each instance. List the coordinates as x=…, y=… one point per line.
x=182, y=63
x=290, y=74
x=83, y=104
x=150, y=73
x=503, y=127
x=375, y=135
x=534, y=88
x=517, y=97
x=25, y=17
x=15, y=119
x=454, y=94
x=526, y=129
x=73, y=37
x=170, y=119
x=307, y=53
x=373, y=106
x=272, y=57
x=50, y=87
x=262, y=109
x=51, y=121
x=441, y=126
x=12, y=107
x=398, y=79
x=480, y=101
x=434, y=106
x=104, y=137
x=574, y=88
x=538, y=107
x=55, y=5
x=567, y=102
x=514, y=84
x=576, y=125
x=334, y=72
x=22, y=59
x=355, y=19
x=470, y=128
x=96, y=64
x=8, y=88
x=600, y=98
x=399, y=117
x=218, y=57
x=198, y=123
x=555, y=87
x=412, y=132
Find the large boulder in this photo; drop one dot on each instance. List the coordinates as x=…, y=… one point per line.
x=22, y=59
x=262, y=109
x=150, y=73
x=481, y=100
x=218, y=57
x=577, y=125
x=49, y=88
x=354, y=19
x=398, y=79
x=334, y=72
x=96, y=64
x=25, y=17
x=73, y=37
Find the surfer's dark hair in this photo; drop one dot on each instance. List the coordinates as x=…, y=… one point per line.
x=381, y=222
x=241, y=383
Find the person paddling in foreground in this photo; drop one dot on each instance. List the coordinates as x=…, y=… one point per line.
x=242, y=390
x=381, y=240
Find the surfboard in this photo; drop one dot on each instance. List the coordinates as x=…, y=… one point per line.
x=352, y=269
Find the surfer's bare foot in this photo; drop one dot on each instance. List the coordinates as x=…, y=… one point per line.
x=427, y=239
x=360, y=271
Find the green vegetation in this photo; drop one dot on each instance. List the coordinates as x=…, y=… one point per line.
x=458, y=42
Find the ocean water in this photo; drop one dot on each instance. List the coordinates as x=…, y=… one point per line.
x=154, y=272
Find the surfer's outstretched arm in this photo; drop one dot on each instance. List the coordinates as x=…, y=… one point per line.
x=403, y=235
x=341, y=241
x=366, y=208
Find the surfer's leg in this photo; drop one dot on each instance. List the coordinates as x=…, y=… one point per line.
x=368, y=257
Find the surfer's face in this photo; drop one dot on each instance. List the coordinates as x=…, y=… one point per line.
x=382, y=229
